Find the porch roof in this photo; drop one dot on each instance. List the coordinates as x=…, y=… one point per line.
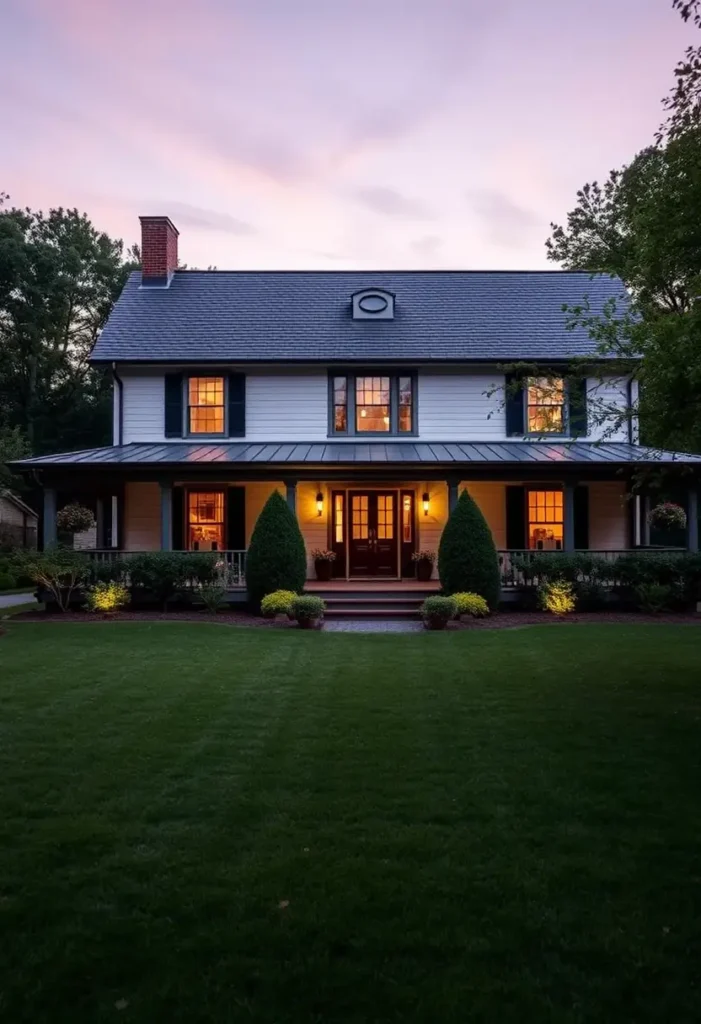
x=208, y=453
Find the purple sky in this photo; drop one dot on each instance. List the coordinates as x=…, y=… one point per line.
x=330, y=133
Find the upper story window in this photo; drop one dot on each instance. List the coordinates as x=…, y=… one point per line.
x=545, y=405
x=205, y=413
x=377, y=403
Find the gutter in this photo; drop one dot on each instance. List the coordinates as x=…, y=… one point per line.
x=120, y=405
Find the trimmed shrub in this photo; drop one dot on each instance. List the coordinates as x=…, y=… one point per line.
x=114, y=570
x=437, y=611
x=74, y=518
x=277, y=603
x=572, y=567
x=107, y=597
x=557, y=597
x=7, y=581
x=467, y=557
x=162, y=573
x=276, y=558
x=470, y=604
x=60, y=571
x=654, y=598
x=307, y=610
x=200, y=567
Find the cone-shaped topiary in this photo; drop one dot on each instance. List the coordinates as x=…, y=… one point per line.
x=467, y=557
x=276, y=558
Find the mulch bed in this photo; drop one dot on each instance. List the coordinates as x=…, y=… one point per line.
x=500, y=620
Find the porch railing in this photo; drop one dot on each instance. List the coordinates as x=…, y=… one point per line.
x=230, y=565
x=512, y=577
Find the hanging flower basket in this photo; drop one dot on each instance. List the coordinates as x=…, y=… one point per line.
x=667, y=516
x=75, y=518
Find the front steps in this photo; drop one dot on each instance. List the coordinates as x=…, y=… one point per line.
x=372, y=600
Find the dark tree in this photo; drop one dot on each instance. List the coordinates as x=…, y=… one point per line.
x=276, y=558
x=467, y=557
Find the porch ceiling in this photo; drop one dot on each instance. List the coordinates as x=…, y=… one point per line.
x=396, y=453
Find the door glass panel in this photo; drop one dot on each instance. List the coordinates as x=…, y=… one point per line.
x=385, y=517
x=359, y=514
x=338, y=518
x=407, y=524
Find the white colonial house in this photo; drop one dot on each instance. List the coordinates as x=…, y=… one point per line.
x=369, y=399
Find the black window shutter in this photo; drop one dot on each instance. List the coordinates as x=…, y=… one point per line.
x=514, y=406
x=581, y=517
x=174, y=405
x=237, y=405
x=578, y=407
x=178, y=500
x=236, y=519
x=515, y=518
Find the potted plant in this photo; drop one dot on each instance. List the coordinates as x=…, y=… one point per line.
x=323, y=563
x=308, y=610
x=424, y=561
x=72, y=519
x=438, y=611
x=667, y=516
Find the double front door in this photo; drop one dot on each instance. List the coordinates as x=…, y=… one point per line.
x=372, y=528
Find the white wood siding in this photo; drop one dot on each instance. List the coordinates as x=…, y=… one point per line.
x=142, y=517
x=457, y=406
x=608, y=516
x=287, y=406
x=607, y=407
x=144, y=407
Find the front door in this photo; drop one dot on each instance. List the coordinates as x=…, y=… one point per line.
x=373, y=533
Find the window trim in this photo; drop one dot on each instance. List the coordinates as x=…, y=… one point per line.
x=394, y=373
x=187, y=377
x=565, y=432
x=543, y=488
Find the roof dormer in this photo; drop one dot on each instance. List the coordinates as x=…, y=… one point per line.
x=373, y=304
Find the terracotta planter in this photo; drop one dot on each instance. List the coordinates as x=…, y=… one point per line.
x=308, y=623
x=424, y=570
x=322, y=568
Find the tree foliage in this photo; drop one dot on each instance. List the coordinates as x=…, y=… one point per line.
x=467, y=557
x=59, y=277
x=276, y=557
x=684, y=101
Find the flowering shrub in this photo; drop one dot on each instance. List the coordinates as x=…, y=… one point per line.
x=75, y=518
x=320, y=555
x=107, y=597
x=557, y=597
x=470, y=604
x=668, y=516
x=424, y=556
x=277, y=603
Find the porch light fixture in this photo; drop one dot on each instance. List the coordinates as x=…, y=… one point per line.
x=425, y=498
x=319, y=503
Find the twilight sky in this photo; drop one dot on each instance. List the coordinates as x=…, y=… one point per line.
x=330, y=133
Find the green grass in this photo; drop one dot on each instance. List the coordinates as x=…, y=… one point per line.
x=205, y=824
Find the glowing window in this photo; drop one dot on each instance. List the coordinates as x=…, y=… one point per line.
x=340, y=404
x=405, y=405
x=545, y=520
x=206, y=405
x=545, y=401
x=360, y=517
x=407, y=523
x=385, y=517
x=338, y=518
x=205, y=520
x=372, y=404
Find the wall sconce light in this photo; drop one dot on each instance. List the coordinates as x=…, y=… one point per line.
x=425, y=499
x=319, y=503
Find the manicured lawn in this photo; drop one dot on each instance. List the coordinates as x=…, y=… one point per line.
x=204, y=824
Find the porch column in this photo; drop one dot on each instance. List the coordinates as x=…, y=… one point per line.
x=692, y=520
x=568, y=516
x=453, y=484
x=114, y=531
x=166, y=517
x=646, y=522
x=100, y=524
x=291, y=486
x=50, y=534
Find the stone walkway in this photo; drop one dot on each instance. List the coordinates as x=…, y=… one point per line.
x=373, y=626
x=10, y=600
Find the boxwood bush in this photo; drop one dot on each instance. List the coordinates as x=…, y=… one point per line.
x=276, y=558
x=467, y=557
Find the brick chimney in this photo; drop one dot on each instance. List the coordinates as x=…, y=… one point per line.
x=159, y=251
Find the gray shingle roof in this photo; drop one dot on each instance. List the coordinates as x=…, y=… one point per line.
x=207, y=453
x=305, y=316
